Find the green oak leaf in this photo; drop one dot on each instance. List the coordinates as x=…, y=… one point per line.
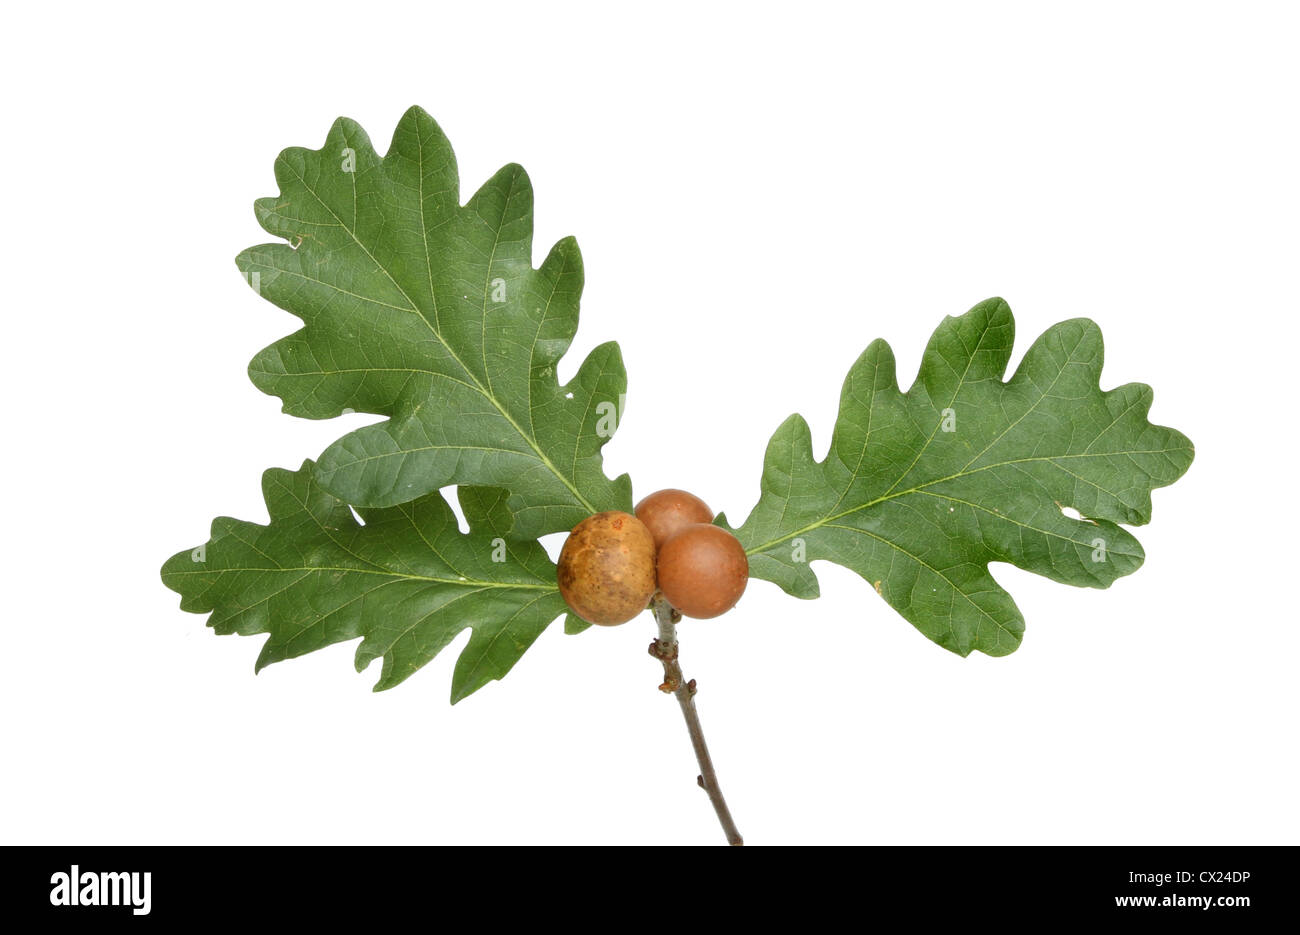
x=431, y=313
x=921, y=490
x=406, y=582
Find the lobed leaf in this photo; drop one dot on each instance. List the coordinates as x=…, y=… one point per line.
x=406, y=582
x=430, y=313
x=921, y=490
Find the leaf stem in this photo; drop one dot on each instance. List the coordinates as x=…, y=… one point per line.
x=665, y=650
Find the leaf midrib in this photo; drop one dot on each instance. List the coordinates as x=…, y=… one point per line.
x=457, y=582
x=920, y=488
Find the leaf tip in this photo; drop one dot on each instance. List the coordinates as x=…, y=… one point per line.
x=416, y=112
x=573, y=625
x=462, y=690
x=795, y=422
x=995, y=308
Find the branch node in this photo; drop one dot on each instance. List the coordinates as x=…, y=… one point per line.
x=664, y=651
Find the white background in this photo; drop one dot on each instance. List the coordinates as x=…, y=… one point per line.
x=758, y=192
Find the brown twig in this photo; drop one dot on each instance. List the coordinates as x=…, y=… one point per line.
x=665, y=650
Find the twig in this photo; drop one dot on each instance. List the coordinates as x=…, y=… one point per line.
x=665, y=650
